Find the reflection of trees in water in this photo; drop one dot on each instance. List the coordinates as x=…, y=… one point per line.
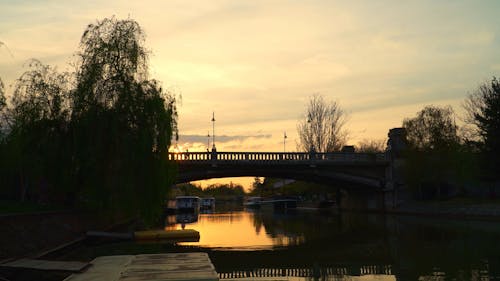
x=222, y=218
x=452, y=249
x=312, y=227
x=414, y=246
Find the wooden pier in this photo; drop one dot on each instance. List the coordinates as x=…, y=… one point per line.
x=168, y=267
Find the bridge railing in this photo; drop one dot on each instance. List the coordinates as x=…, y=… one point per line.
x=281, y=157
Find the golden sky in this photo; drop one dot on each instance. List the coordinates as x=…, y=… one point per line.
x=256, y=63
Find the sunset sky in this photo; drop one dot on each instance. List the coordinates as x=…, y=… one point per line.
x=255, y=63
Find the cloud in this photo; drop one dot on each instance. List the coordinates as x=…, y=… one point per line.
x=222, y=138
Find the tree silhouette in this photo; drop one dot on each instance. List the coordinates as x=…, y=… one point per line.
x=122, y=123
x=322, y=128
x=371, y=146
x=433, y=128
x=483, y=112
x=97, y=138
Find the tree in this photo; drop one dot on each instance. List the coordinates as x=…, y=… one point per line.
x=322, y=128
x=257, y=186
x=122, y=122
x=371, y=146
x=434, y=159
x=100, y=137
x=2, y=95
x=3, y=103
x=433, y=128
x=483, y=113
x=37, y=118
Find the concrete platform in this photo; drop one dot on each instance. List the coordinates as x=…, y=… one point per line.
x=73, y=266
x=158, y=267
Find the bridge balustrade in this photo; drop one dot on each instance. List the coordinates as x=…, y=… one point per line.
x=273, y=157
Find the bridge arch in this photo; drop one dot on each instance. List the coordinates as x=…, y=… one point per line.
x=361, y=170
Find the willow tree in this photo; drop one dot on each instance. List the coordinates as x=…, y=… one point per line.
x=37, y=118
x=323, y=127
x=122, y=121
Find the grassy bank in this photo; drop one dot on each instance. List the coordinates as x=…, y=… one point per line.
x=17, y=207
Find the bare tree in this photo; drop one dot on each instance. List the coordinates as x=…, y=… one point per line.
x=371, y=146
x=322, y=128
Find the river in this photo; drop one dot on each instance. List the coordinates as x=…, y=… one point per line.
x=308, y=245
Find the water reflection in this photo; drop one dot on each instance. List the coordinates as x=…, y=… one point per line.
x=347, y=246
x=236, y=231
x=413, y=248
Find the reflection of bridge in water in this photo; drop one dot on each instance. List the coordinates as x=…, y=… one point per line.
x=325, y=273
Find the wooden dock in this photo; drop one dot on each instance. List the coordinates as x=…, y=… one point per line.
x=157, y=267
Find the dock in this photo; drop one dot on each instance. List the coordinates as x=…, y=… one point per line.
x=72, y=266
x=155, y=267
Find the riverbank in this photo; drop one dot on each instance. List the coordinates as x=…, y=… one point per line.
x=460, y=208
x=32, y=234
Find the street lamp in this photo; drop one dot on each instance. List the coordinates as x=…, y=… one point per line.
x=284, y=142
x=213, y=131
x=310, y=133
x=208, y=140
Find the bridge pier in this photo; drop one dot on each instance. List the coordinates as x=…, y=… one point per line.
x=357, y=200
x=394, y=175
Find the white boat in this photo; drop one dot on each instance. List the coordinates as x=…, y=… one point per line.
x=187, y=203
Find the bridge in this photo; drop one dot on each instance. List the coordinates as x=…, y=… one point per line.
x=360, y=169
x=375, y=179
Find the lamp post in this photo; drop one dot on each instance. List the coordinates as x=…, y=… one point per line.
x=213, y=131
x=284, y=142
x=284, y=145
x=311, y=137
x=208, y=140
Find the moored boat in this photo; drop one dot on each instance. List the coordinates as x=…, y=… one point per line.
x=207, y=203
x=187, y=204
x=253, y=202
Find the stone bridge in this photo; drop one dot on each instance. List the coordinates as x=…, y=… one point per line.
x=356, y=169
x=376, y=179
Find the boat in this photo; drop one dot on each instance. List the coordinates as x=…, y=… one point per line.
x=276, y=203
x=253, y=202
x=187, y=204
x=207, y=203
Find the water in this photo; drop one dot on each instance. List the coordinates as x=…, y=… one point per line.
x=307, y=245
